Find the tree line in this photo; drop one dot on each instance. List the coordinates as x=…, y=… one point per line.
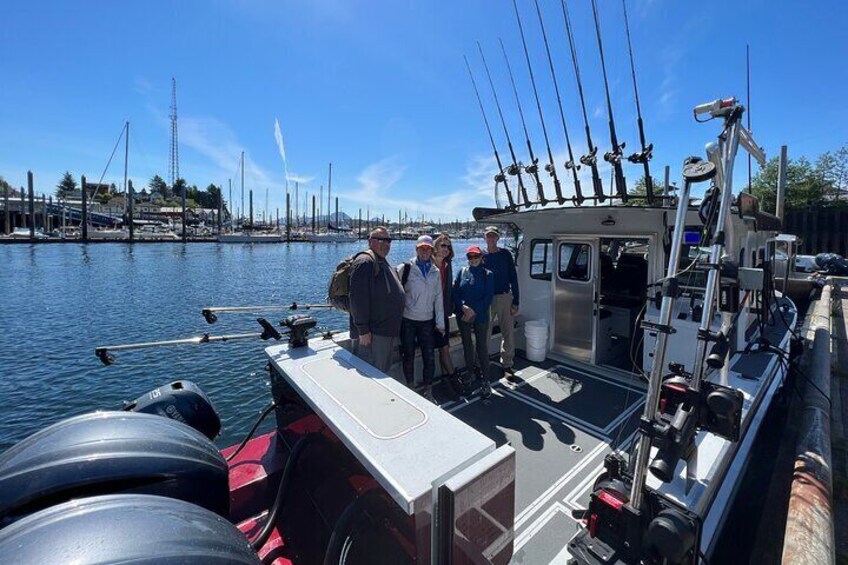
x=210, y=197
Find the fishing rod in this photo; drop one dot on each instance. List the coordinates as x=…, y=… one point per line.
x=210, y=313
x=569, y=165
x=613, y=157
x=550, y=167
x=643, y=156
x=590, y=159
x=500, y=177
x=268, y=332
x=534, y=168
x=515, y=168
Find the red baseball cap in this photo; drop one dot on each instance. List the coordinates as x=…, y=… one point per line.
x=474, y=249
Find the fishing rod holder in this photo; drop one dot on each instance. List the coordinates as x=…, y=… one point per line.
x=660, y=531
x=299, y=326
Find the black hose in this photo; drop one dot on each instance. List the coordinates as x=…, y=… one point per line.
x=288, y=471
x=351, y=522
x=252, y=431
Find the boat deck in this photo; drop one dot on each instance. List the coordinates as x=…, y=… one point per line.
x=561, y=419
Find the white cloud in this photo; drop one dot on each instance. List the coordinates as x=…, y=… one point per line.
x=302, y=179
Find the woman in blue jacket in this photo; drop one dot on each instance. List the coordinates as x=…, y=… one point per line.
x=473, y=291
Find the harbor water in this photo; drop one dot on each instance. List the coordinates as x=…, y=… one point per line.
x=59, y=302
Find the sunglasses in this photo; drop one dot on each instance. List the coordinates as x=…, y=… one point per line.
x=445, y=246
x=383, y=239
x=472, y=257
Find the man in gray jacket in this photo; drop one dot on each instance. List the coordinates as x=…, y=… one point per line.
x=376, y=302
x=423, y=312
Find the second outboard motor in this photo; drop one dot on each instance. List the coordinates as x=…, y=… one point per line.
x=182, y=401
x=111, y=453
x=138, y=529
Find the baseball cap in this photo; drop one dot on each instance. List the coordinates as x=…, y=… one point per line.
x=424, y=240
x=492, y=229
x=473, y=249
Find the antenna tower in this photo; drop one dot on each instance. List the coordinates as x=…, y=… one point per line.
x=174, y=158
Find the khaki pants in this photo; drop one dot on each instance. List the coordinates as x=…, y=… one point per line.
x=502, y=309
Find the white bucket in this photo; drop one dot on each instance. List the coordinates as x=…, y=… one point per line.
x=536, y=338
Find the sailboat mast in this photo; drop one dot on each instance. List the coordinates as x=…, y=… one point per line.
x=329, y=192
x=242, y=183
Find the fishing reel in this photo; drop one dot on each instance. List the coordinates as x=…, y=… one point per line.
x=570, y=165
x=533, y=168
x=614, y=156
x=642, y=156
x=590, y=158
x=515, y=169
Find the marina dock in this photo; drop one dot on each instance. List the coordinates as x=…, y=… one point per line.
x=804, y=518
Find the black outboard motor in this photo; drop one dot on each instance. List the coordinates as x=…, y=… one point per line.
x=138, y=529
x=110, y=453
x=182, y=401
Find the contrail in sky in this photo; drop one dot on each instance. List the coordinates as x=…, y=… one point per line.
x=278, y=136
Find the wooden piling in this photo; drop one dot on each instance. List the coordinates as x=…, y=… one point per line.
x=220, y=208
x=288, y=217
x=84, y=210
x=131, y=207
x=809, y=536
x=7, y=217
x=31, y=192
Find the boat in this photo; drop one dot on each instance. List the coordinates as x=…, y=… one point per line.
x=24, y=233
x=155, y=232
x=663, y=343
x=333, y=237
x=251, y=237
x=110, y=234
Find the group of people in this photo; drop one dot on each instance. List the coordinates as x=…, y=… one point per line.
x=412, y=303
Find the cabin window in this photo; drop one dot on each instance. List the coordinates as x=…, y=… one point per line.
x=574, y=261
x=541, y=259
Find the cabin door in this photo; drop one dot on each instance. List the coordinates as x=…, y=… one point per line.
x=575, y=298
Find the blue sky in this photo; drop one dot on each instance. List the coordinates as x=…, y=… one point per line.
x=379, y=88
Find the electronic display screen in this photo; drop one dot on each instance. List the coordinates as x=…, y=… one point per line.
x=691, y=238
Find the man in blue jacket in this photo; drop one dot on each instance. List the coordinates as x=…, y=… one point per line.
x=505, y=303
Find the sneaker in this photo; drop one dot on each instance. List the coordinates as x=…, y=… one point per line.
x=486, y=390
x=457, y=386
x=428, y=394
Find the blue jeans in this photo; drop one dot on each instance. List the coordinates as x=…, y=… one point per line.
x=412, y=333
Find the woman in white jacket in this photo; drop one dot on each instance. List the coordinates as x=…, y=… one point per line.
x=422, y=312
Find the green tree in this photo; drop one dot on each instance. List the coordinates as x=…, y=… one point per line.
x=832, y=170
x=157, y=184
x=639, y=193
x=806, y=186
x=67, y=185
x=177, y=189
x=213, y=196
